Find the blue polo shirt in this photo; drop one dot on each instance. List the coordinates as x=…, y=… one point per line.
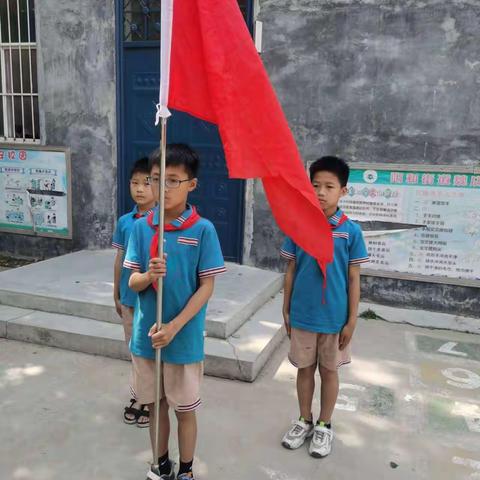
x=120, y=241
x=307, y=311
x=193, y=253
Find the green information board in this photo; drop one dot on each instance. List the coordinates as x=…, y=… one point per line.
x=35, y=191
x=441, y=207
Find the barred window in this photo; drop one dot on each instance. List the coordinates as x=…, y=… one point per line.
x=18, y=72
x=141, y=19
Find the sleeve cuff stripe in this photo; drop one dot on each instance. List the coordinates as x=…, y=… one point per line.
x=359, y=260
x=117, y=245
x=207, y=270
x=288, y=255
x=211, y=272
x=131, y=265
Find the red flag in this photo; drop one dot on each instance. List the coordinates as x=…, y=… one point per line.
x=216, y=75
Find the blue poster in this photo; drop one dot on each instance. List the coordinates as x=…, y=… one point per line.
x=34, y=191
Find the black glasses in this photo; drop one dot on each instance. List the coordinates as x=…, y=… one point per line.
x=169, y=182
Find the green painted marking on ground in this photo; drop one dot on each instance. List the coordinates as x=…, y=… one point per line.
x=379, y=401
x=431, y=345
x=441, y=419
x=444, y=414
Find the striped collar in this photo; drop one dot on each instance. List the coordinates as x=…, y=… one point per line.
x=136, y=214
x=337, y=218
x=179, y=221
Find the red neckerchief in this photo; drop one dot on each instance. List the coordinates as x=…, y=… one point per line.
x=141, y=215
x=189, y=222
x=342, y=220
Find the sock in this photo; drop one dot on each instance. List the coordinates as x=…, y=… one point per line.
x=323, y=424
x=164, y=464
x=302, y=419
x=185, y=467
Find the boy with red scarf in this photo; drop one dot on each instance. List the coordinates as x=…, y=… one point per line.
x=194, y=258
x=321, y=314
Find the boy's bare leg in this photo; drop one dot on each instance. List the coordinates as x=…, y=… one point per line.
x=187, y=435
x=329, y=393
x=163, y=425
x=127, y=320
x=305, y=390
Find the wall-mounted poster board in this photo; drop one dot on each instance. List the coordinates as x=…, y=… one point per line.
x=35, y=191
x=439, y=206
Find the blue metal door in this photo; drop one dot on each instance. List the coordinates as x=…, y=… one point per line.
x=218, y=198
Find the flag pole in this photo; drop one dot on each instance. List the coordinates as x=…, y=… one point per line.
x=161, y=223
x=166, y=23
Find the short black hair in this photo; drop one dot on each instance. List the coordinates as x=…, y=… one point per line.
x=335, y=165
x=140, y=166
x=178, y=154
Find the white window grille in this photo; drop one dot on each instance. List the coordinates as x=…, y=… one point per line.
x=18, y=72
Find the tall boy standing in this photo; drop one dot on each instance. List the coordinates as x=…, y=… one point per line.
x=194, y=258
x=320, y=317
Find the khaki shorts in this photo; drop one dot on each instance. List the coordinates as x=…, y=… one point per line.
x=180, y=386
x=310, y=348
x=127, y=320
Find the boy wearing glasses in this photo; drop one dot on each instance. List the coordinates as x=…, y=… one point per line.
x=194, y=258
x=123, y=296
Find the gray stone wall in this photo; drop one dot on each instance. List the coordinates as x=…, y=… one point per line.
x=76, y=75
x=373, y=81
x=457, y=300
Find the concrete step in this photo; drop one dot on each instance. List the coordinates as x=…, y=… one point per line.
x=65, y=331
x=239, y=293
x=239, y=357
x=243, y=355
x=80, y=284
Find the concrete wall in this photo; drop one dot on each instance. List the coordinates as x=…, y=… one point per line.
x=373, y=81
x=76, y=75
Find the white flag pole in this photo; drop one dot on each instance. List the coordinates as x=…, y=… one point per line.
x=166, y=25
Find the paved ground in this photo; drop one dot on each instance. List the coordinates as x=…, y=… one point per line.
x=409, y=409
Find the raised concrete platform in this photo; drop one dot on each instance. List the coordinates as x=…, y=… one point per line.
x=81, y=284
x=66, y=302
x=240, y=357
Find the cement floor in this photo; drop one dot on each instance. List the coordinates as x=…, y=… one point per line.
x=409, y=408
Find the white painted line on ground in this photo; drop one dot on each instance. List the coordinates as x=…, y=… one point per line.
x=470, y=412
x=462, y=378
x=449, y=348
x=345, y=402
x=467, y=462
x=416, y=397
x=277, y=475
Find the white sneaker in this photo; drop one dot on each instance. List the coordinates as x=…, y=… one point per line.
x=321, y=444
x=298, y=433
